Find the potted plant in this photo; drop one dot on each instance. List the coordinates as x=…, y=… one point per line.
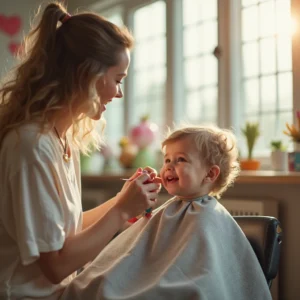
x=279, y=156
x=293, y=132
x=251, y=133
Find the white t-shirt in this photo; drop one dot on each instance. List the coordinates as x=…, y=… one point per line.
x=40, y=205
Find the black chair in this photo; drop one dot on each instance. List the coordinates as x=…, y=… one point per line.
x=265, y=236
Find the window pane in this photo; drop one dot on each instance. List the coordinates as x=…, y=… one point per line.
x=285, y=92
x=141, y=51
x=267, y=56
x=209, y=10
x=251, y=96
x=114, y=114
x=142, y=83
x=283, y=18
x=193, y=106
x=151, y=20
x=198, y=10
x=284, y=53
x=249, y=2
x=200, y=65
x=158, y=52
x=158, y=77
x=250, y=23
x=193, y=73
x=268, y=93
x=250, y=59
x=149, y=61
x=210, y=36
x=192, y=41
x=210, y=97
x=156, y=24
x=210, y=69
x=191, y=11
x=268, y=132
x=267, y=18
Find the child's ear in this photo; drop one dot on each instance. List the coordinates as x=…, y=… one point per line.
x=212, y=174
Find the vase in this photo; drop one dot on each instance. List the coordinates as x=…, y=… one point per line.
x=145, y=157
x=279, y=160
x=296, y=147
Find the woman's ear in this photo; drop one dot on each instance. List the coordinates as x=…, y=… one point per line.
x=212, y=174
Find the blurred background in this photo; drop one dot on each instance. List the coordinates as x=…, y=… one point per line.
x=223, y=62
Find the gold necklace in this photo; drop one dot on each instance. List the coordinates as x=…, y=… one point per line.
x=66, y=156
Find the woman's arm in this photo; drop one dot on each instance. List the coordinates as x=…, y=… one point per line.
x=93, y=215
x=83, y=247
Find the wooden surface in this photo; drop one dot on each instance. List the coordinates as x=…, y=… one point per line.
x=244, y=177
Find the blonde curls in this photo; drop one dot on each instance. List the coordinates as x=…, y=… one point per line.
x=216, y=147
x=58, y=69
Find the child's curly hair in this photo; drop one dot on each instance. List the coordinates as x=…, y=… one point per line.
x=216, y=147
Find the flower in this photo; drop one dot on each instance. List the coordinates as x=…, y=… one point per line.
x=292, y=131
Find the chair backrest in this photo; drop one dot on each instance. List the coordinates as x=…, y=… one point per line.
x=265, y=236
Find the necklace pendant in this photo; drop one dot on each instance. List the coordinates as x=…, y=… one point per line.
x=66, y=157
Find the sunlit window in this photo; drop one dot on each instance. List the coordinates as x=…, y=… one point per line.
x=114, y=114
x=267, y=67
x=149, y=62
x=200, y=36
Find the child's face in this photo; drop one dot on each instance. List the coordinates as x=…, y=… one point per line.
x=183, y=173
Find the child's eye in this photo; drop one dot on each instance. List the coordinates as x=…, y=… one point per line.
x=167, y=160
x=180, y=159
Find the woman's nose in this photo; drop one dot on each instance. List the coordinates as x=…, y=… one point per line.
x=119, y=93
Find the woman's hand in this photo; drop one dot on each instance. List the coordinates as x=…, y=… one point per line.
x=138, y=193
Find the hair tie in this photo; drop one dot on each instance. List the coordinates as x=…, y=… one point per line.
x=66, y=17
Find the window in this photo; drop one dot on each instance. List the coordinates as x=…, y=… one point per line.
x=266, y=47
x=181, y=37
x=114, y=115
x=200, y=36
x=149, y=63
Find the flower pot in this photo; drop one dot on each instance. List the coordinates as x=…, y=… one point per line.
x=249, y=164
x=279, y=160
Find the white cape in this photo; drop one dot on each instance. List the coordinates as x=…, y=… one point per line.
x=187, y=250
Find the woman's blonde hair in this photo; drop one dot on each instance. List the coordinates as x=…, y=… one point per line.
x=59, y=66
x=216, y=147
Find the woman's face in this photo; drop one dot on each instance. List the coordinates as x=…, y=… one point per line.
x=109, y=85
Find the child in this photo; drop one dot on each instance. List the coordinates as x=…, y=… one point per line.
x=191, y=248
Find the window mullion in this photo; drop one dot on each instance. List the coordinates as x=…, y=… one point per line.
x=174, y=87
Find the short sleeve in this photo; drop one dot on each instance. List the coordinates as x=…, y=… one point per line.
x=37, y=209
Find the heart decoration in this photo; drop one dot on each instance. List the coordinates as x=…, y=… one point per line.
x=14, y=48
x=10, y=25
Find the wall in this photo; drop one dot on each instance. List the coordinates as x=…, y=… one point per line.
x=10, y=36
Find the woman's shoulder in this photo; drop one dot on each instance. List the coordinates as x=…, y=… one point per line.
x=27, y=140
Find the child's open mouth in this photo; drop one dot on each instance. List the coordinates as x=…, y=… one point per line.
x=172, y=179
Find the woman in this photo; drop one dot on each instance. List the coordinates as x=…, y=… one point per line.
x=72, y=67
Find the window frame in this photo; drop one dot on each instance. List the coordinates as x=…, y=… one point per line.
x=229, y=62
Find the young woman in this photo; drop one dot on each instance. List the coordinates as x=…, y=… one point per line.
x=72, y=67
